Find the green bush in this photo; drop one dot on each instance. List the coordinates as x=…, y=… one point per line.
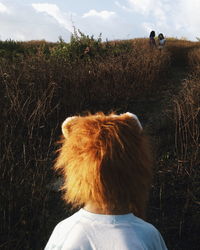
x=76, y=48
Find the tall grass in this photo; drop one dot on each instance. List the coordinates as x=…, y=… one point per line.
x=184, y=173
x=194, y=58
x=187, y=138
x=42, y=84
x=187, y=114
x=180, y=50
x=28, y=127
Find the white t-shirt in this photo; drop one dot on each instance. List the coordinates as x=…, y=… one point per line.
x=162, y=42
x=89, y=231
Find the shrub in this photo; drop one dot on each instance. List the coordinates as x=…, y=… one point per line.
x=81, y=46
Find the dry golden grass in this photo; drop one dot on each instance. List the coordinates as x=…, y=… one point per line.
x=39, y=90
x=194, y=58
x=187, y=115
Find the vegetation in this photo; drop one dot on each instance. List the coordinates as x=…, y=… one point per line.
x=43, y=83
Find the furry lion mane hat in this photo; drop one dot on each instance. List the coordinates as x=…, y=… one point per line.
x=105, y=159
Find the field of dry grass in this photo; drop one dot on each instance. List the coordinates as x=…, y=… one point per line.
x=42, y=84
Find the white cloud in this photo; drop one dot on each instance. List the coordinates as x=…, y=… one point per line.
x=123, y=7
x=148, y=26
x=53, y=11
x=188, y=18
x=104, y=14
x=4, y=9
x=104, y=22
x=154, y=8
x=142, y=6
x=29, y=25
x=175, y=18
x=153, y=11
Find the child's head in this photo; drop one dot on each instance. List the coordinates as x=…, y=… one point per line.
x=105, y=159
x=152, y=34
x=160, y=36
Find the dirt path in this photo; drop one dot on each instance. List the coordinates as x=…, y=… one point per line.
x=155, y=112
x=152, y=108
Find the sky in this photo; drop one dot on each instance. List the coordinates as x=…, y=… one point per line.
x=115, y=19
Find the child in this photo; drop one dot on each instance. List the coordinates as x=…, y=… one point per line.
x=161, y=41
x=107, y=168
x=152, y=41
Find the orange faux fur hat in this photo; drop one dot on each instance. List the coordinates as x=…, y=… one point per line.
x=105, y=159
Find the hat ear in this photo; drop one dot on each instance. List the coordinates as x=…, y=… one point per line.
x=133, y=116
x=66, y=125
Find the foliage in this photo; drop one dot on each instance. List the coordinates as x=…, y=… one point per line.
x=10, y=49
x=81, y=46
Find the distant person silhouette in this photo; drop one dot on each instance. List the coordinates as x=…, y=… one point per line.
x=161, y=41
x=152, y=41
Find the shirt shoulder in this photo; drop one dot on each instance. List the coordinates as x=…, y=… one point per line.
x=149, y=234
x=72, y=229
